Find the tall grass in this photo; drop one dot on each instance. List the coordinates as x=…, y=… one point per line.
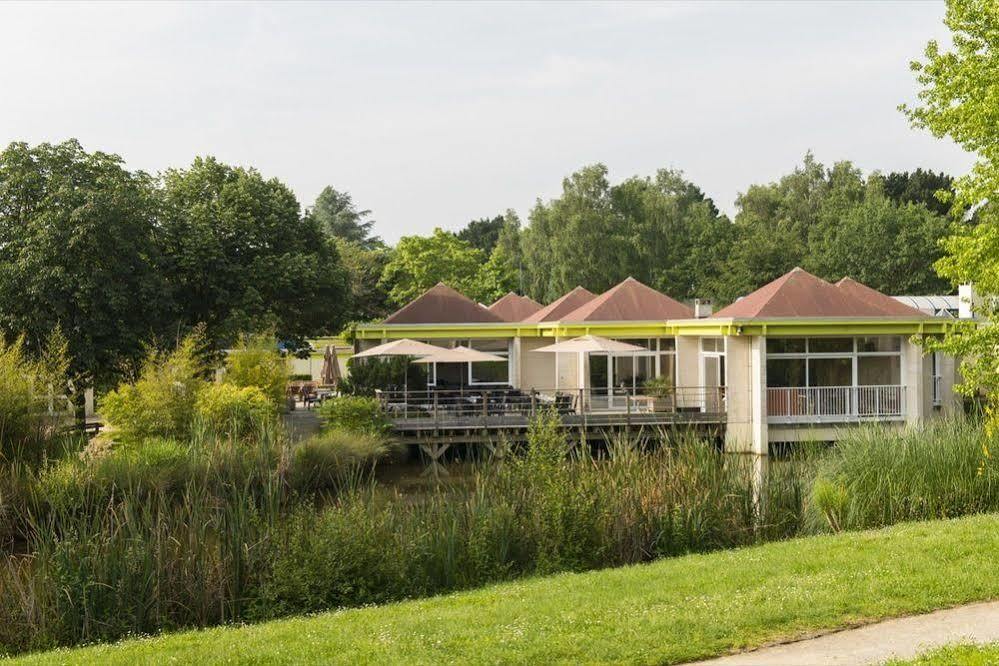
x=880, y=475
x=164, y=534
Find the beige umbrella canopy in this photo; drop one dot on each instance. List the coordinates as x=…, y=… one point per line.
x=403, y=347
x=460, y=354
x=591, y=343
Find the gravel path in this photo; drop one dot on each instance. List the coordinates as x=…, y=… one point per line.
x=902, y=638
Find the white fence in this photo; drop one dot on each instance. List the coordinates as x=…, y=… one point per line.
x=835, y=404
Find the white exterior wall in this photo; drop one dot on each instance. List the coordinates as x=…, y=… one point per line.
x=688, y=369
x=534, y=370
x=746, y=365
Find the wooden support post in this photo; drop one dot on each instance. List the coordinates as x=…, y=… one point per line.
x=434, y=451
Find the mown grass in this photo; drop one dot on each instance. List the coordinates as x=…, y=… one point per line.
x=955, y=655
x=669, y=611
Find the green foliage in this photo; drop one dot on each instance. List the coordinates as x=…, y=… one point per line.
x=333, y=459
x=26, y=385
x=337, y=215
x=420, y=262
x=368, y=296
x=958, y=93
x=483, y=234
x=369, y=374
x=257, y=362
x=142, y=469
x=662, y=231
x=78, y=248
x=959, y=87
x=669, y=612
x=355, y=414
x=660, y=387
x=933, y=190
x=161, y=402
x=834, y=223
x=233, y=411
x=242, y=256
x=880, y=476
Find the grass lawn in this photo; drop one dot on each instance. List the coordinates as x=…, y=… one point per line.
x=956, y=655
x=666, y=612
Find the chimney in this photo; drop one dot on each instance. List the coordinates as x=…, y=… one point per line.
x=702, y=307
x=967, y=301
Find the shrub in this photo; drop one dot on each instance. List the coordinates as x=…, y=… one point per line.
x=232, y=411
x=332, y=459
x=879, y=475
x=366, y=375
x=139, y=470
x=161, y=402
x=355, y=414
x=25, y=387
x=256, y=361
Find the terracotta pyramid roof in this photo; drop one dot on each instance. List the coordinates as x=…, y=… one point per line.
x=630, y=300
x=563, y=306
x=798, y=293
x=442, y=305
x=889, y=305
x=513, y=307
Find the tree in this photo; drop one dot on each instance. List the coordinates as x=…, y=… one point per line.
x=420, y=262
x=337, y=215
x=241, y=258
x=662, y=231
x=368, y=296
x=958, y=95
x=958, y=99
x=561, y=244
x=835, y=223
x=919, y=186
x=882, y=244
x=482, y=234
x=78, y=251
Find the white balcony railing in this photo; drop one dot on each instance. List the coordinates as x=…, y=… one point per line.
x=835, y=404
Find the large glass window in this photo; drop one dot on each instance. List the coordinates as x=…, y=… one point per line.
x=786, y=372
x=829, y=361
x=786, y=345
x=879, y=370
x=830, y=345
x=830, y=372
x=496, y=372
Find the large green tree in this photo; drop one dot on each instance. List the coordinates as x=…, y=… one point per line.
x=369, y=298
x=960, y=99
x=662, y=231
x=836, y=222
x=338, y=215
x=78, y=251
x=420, y=262
x=483, y=233
x=932, y=189
x=241, y=256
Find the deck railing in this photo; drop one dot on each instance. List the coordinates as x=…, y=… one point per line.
x=835, y=404
x=498, y=406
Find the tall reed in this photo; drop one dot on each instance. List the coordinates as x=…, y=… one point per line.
x=881, y=475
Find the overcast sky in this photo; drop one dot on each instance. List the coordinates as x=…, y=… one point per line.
x=434, y=114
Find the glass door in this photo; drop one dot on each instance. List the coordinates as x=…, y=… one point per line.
x=600, y=381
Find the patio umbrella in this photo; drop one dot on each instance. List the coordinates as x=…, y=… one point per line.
x=403, y=347
x=591, y=343
x=586, y=344
x=460, y=354
x=330, y=373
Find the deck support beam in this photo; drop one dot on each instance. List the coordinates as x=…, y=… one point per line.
x=434, y=451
